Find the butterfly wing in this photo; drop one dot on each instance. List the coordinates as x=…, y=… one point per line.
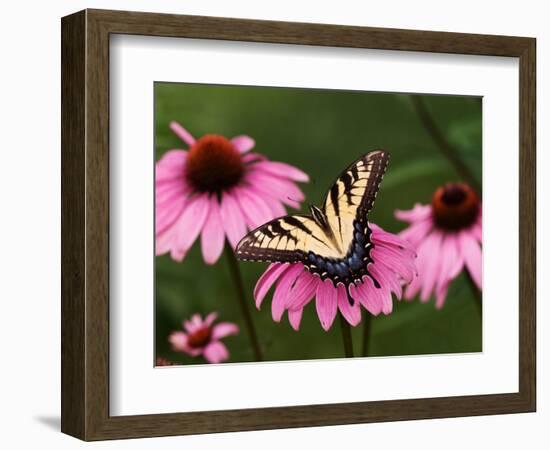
x=351, y=197
x=286, y=239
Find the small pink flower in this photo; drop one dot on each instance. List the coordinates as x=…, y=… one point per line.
x=393, y=264
x=160, y=361
x=447, y=237
x=218, y=189
x=202, y=337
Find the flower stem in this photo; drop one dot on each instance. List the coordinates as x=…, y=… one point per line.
x=444, y=146
x=346, y=336
x=476, y=294
x=238, y=281
x=366, y=334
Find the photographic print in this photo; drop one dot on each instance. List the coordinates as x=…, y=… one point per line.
x=305, y=224
x=300, y=224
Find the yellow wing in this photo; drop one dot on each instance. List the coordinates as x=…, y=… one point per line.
x=352, y=195
x=286, y=239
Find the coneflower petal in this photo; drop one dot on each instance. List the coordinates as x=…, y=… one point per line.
x=264, y=283
x=352, y=313
x=326, y=303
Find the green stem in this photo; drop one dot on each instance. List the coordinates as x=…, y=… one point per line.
x=238, y=281
x=444, y=146
x=366, y=334
x=346, y=336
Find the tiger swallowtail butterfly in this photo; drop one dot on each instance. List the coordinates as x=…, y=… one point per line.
x=334, y=241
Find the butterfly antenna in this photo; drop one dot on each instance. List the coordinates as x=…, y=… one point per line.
x=313, y=181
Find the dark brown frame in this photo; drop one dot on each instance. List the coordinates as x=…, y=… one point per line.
x=85, y=224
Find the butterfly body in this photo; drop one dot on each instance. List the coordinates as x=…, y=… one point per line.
x=334, y=242
x=349, y=268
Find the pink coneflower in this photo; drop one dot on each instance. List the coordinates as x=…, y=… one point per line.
x=447, y=237
x=202, y=337
x=393, y=264
x=218, y=189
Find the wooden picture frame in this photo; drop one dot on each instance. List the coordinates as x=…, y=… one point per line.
x=85, y=224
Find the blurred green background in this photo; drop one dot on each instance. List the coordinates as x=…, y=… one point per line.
x=321, y=132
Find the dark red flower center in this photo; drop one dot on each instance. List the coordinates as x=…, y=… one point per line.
x=199, y=338
x=455, y=206
x=213, y=164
